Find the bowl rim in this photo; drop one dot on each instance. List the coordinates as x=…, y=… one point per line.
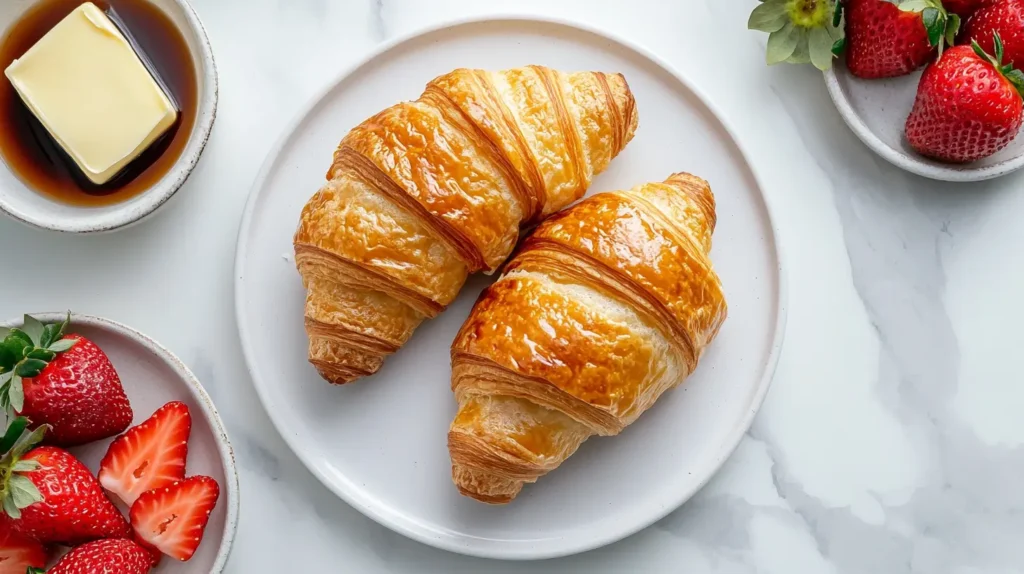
x=202, y=398
x=916, y=165
x=125, y=214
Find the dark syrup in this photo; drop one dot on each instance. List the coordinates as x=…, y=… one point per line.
x=30, y=152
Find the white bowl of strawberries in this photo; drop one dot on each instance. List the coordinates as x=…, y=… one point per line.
x=113, y=455
x=929, y=84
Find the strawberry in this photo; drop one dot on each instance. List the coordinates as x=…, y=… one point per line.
x=150, y=455
x=172, y=519
x=17, y=552
x=51, y=496
x=65, y=382
x=968, y=106
x=964, y=8
x=113, y=556
x=1006, y=18
x=884, y=40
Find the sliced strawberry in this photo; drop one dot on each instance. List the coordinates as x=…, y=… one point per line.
x=148, y=456
x=17, y=552
x=172, y=519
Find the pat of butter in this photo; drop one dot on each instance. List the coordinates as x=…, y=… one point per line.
x=90, y=90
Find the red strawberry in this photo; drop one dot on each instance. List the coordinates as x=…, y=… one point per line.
x=883, y=41
x=150, y=455
x=964, y=8
x=172, y=519
x=968, y=106
x=18, y=553
x=1006, y=18
x=113, y=556
x=51, y=496
x=67, y=383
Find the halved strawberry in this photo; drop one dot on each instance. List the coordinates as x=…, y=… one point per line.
x=150, y=455
x=172, y=519
x=17, y=552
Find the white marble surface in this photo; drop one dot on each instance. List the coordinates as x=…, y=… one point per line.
x=892, y=440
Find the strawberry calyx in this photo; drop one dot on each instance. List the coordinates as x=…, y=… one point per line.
x=1012, y=75
x=942, y=26
x=800, y=31
x=16, y=490
x=24, y=353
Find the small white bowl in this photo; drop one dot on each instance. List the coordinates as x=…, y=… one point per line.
x=877, y=110
x=152, y=376
x=28, y=206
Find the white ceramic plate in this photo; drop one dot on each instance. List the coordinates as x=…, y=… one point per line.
x=152, y=376
x=380, y=443
x=28, y=206
x=877, y=110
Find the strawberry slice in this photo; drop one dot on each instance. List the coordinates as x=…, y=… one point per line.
x=17, y=552
x=148, y=456
x=172, y=519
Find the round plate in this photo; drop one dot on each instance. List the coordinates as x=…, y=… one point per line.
x=877, y=110
x=380, y=443
x=152, y=376
x=33, y=208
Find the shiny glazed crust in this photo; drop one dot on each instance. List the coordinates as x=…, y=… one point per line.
x=426, y=192
x=606, y=306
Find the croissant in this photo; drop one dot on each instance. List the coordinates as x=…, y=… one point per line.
x=605, y=307
x=426, y=192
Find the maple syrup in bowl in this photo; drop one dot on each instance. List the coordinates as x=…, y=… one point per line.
x=43, y=180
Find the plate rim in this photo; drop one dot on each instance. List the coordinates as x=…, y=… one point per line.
x=224, y=448
x=908, y=163
x=411, y=530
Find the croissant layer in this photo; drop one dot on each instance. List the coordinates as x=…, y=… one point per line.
x=426, y=192
x=607, y=305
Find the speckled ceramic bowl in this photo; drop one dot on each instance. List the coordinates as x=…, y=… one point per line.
x=877, y=110
x=26, y=205
x=152, y=376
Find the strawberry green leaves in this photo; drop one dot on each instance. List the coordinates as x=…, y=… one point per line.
x=24, y=353
x=952, y=28
x=799, y=31
x=932, y=20
x=768, y=17
x=17, y=491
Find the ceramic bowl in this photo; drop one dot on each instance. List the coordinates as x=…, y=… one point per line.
x=26, y=205
x=876, y=110
x=152, y=376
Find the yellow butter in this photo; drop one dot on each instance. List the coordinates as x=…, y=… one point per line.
x=93, y=94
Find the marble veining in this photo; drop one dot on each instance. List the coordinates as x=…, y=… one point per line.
x=891, y=441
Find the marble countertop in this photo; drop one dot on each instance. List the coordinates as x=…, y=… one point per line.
x=891, y=441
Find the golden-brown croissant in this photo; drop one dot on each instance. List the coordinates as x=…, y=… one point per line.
x=605, y=307
x=428, y=191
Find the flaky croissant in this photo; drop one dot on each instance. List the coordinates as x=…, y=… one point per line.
x=605, y=307
x=426, y=192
